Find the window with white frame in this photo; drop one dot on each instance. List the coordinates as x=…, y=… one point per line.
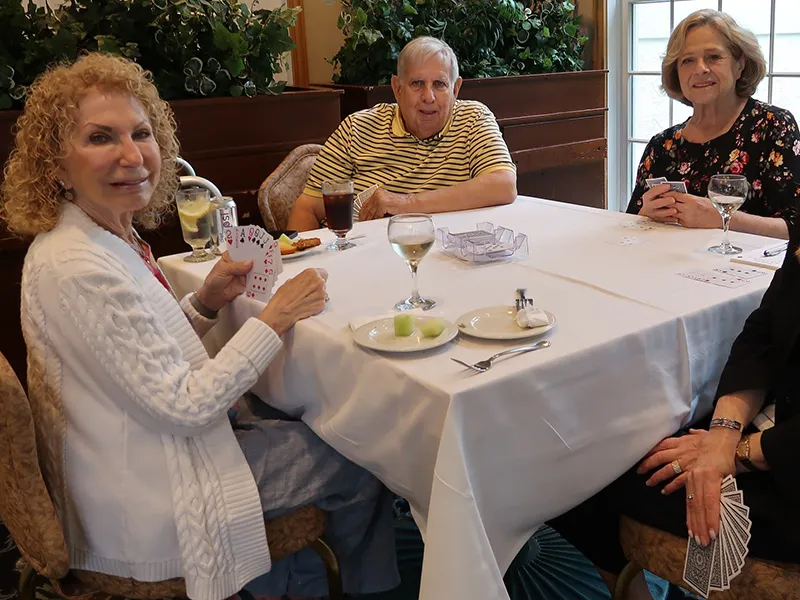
x=776, y=24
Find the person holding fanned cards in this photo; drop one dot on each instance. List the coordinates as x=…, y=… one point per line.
x=732, y=485
x=714, y=66
x=158, y=466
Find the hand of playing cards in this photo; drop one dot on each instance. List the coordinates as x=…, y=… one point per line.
x=674, y=186
x=713, y=567
x=251, y=242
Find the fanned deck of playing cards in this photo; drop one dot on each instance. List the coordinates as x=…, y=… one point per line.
x=251, y=242
x=713, y=568
x=674, y=186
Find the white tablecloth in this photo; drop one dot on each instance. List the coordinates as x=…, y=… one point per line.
x=484, y=459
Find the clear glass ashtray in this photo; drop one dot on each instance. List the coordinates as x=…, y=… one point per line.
x=486, y=243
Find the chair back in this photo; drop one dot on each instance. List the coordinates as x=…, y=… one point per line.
x=25, y=504
x=277, y=194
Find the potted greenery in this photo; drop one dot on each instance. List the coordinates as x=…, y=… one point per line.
x=216, y=61
x=523, y=62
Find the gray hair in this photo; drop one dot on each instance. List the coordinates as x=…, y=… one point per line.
x=421, y=49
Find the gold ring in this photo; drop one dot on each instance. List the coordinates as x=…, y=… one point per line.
x=676, y=466
x=690, y=496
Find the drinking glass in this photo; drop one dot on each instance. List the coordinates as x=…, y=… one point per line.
x=195, y=212
x=411, y=235
x=338, y=198
x=727, y=193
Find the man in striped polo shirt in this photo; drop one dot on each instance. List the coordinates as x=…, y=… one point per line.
x=427, y=153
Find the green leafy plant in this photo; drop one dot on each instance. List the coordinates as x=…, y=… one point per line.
x=194, y=48
x=491, y=38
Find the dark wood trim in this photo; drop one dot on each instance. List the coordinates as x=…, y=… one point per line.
x=550, y=157
x=299, y=54
x=560, y=116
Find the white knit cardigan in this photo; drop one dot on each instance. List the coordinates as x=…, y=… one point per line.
x=135, y=444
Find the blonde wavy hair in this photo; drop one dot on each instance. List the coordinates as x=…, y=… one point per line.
x=740, y=41
x=31, y=194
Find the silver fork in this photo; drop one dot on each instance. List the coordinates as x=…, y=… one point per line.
x=484, y=365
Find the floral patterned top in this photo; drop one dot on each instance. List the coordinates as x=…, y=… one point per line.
x=763, y=145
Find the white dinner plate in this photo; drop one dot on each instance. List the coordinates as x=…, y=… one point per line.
x=379, y=335
x=300, y=253
x=499, y=323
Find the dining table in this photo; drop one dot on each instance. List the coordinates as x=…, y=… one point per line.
x=484, y=459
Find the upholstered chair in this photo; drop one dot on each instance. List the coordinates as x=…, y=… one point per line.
x=29, y=514
x=277, y=194
x=663, y=554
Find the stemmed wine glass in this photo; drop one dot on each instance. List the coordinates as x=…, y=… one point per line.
x=412, y=235
x=727, y=193
x=338, y=197
x=195, y=212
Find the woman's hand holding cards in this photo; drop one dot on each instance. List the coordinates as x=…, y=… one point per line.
x=657, y=206
x=696, y=212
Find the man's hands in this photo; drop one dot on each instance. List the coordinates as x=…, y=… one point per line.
x=382, y=203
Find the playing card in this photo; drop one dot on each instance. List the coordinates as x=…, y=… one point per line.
x=655, y=181
x=715, y=278
x=677, y=186
x=737, y=539
x=728, y=485
x=628, y=240
x=363, y=197
x=699, y=565
x=715, y=582
x=741, y=272
x=726, y=569
x=647, y=225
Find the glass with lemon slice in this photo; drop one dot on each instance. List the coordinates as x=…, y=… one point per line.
x=195, y=212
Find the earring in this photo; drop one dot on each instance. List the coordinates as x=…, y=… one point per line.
x=67, y=194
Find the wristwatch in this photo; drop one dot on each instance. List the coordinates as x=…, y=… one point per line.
x=743, y=453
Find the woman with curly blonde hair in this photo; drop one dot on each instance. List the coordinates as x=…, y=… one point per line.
x=152, y=477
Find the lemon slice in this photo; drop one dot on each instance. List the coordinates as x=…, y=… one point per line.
x=190, y=212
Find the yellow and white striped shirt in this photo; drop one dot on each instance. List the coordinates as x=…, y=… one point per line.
x=373, y=147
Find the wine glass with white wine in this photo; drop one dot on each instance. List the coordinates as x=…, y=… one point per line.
x=727, y=193
x=411, y=235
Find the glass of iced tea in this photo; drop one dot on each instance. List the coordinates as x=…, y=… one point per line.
x=338, y=198
x=195, y=212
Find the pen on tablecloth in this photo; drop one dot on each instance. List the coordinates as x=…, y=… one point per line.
x=776, y=250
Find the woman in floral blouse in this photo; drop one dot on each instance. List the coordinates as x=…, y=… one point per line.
x=714, y=66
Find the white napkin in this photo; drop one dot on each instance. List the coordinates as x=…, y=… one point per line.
x=357, y=322
x=530, y=316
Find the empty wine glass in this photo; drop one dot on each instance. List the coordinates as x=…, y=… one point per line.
x=195, y=213
x=727, y=193
x=338, y=197
x=411, y=236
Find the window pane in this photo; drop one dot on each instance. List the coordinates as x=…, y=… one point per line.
x=762, y=92
x=786, y=94
x=787, y=36
x=650, y=23
x=637, y=149
x=683, y=8
x=753, y=15
x=649, y=106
